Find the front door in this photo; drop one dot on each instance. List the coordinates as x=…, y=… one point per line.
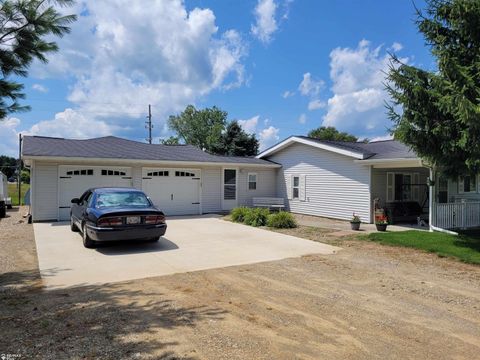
x=229, y=189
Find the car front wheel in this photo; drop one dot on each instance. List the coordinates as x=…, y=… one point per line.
x=87, y=242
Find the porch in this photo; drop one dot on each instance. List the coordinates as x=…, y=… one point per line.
x=402, y=191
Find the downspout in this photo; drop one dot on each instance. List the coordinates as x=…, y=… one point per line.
x=430, y=200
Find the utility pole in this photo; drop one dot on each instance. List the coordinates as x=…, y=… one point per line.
x=149, y=125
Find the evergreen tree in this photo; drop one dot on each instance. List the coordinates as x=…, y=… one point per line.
x=236, y=142
x=24, y=27
x=437, y=112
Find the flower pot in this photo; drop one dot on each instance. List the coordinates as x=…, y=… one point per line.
x=381, y=227
x=355, y=225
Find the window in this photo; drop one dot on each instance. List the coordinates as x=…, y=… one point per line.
x=252, y=181
x=112, y=172
x=80, y=172
x=184, y=173
x=403, y=186
x=296, y=187
x=122, y=199
x=467, y=184
x=442, y=189
x=158, y=173
x=229, y=184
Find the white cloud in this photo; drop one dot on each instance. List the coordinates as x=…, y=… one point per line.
x=121, y=64
x=265, y=23
x=357, y=103
x=72, y=124
x=316, y=104
x=268, y=137
x=302, y=119
x=309, y=86
x=288, y=94
x=9, y=137
x=381, y=138
x=250, y=125
x=39, y=88
x=396, y=46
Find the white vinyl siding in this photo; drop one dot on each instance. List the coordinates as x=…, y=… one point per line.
x=334, y=185
x=45, y=192
x=211, y=190
x=266, y=185
x=137, y=177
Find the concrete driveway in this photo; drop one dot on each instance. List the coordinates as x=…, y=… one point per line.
x=190, y=244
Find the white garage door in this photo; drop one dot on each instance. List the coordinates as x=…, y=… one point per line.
x=74, y=180
x=174, y=191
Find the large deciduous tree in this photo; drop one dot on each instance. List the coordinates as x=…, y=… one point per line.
x=330, y=133
x=201, y=128
x=437, y=112
x=209, y=130
x=25, y=26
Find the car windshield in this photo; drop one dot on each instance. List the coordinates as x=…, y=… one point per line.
x=122, y=199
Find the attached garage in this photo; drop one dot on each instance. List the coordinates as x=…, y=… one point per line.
x=179, y=179
x=175, y=190
x=75, y=180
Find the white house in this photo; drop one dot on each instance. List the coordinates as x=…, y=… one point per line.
x=315, y=177
x=336, y=179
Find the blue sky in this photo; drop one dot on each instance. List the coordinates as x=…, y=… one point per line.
x=281, y=67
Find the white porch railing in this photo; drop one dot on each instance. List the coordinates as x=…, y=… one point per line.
x=457, y=215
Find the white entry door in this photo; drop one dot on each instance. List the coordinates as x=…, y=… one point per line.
x=229, y=189
x=174, y=191
x=75, y=180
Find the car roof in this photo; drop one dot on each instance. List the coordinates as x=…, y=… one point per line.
x=100, y=190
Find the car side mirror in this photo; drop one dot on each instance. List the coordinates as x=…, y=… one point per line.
x=75, y=201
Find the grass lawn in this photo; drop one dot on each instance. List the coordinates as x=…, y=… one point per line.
x=13, y=192
x=463, y=247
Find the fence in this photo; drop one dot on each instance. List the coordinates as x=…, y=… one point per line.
x=457, y=215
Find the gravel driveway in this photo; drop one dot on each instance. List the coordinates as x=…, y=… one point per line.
x=367, y=301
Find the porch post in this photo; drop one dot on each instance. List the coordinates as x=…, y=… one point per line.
x=430, y=200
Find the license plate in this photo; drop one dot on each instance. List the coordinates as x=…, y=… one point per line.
x=133, y=219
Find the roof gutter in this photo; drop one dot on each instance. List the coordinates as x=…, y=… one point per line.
x=28, y=158
x=395, y=162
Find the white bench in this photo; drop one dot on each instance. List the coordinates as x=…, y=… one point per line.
x=269, y=202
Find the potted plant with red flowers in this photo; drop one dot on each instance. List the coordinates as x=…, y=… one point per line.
x=355, y=222
x=381, y=223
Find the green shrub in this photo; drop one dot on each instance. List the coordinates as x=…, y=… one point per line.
x=281, y=220
x=238, y=214
x=256, y=217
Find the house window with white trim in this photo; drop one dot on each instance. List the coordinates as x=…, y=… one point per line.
x=467, y=184
x=296, y=187
x=252, y=181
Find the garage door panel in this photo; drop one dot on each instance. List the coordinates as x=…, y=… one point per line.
x=75, y=180
x=174, y=191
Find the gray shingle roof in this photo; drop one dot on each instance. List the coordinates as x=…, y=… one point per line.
x=111, y=147
x=386, y=149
